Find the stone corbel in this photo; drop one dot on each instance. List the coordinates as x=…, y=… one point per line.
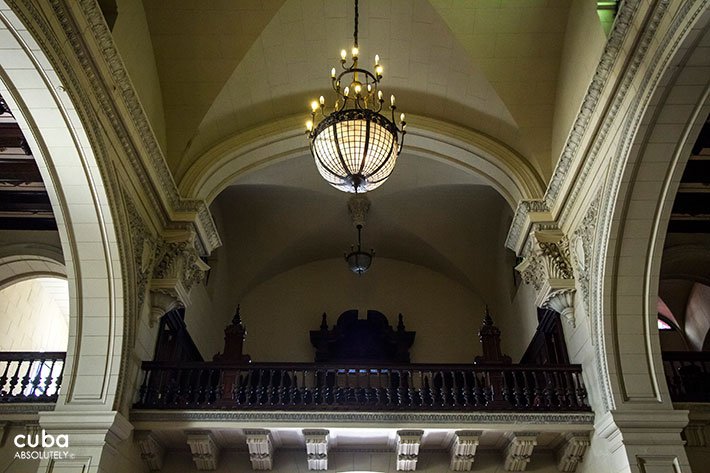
x=408, y=442
x=519, y=450
x=152, y=452
x=463, y=449
x=316, y=449
x=205, y=452
x=548, y=268
x=571, y=452
x=178, y=269
x=261, y=449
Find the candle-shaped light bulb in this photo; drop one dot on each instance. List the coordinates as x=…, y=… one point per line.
x=314, y=105
x=358, y=88
x=355, y=51
x=377, y=59
x=378, y=70
x=401, y=118
x=346, y=91
x=343, y=54
x=332, y=73
x=321, y=100
x=369, y=88
x=309, y=125
x=379, y=95
x=392, y=100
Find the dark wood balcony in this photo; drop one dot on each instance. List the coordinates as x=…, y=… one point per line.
x=365, y=387
x=30, y=376
x=687, y=375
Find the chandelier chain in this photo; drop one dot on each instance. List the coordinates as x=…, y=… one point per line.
x=357, y=18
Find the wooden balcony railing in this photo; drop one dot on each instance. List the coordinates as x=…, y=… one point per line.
x=306, y=386
x=687, y=375
x=30, y=376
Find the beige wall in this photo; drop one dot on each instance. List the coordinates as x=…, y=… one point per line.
x=584, y=43
x=280, y=312
x=292, y=461
x=31, y=317
x=132, y=38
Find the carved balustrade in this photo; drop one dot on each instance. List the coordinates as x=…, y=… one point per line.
x=30, y=376
x=319, y=386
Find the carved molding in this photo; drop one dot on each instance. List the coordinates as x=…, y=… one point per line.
x=582, y=247
x=152, y=452
x=316, y=449
x=519, y=450
x=547, y=267
x=571, y=452
x=261, y=449
x=500, y=419
x=408, y=442
x=205, y=452
x=695, y=434
x=463, y=449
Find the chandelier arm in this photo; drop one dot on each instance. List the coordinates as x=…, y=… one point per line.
x=365, y=148
x=384, y=161
x=337, y=147
x=325, y=166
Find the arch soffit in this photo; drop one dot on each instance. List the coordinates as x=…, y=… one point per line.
x=51, y=121
x=690, y=262
x=471, y=151
x=635, y=222
x=21, y=267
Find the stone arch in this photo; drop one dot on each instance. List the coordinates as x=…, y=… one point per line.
x=20, y=267
x=468, y=150
x=690, y=262
x=44, y=102
x=665, y=116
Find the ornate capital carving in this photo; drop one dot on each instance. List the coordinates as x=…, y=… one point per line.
x=178, y=268
x=548, y=268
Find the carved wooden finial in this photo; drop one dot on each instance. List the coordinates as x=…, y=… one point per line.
x=489, y=335
x=324, y=322
x=237, y=319
x=400, y=324
x=234, y=336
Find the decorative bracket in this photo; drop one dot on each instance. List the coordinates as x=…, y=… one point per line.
x=408, y=442
x=548, y=268
x=463, y=449
x=316, y=449
x=261, y=449
x=178, y=269
x=571, y=452
x=205, y=452
x=152, y=452
x=519, y=450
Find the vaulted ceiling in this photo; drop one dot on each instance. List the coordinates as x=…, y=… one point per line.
x=225, y=66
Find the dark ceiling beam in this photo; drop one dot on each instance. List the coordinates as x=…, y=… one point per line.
x=11, y=137
x=17, y=171
x=24, y=201
x=24, y=223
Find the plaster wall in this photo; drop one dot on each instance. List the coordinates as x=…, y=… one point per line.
x=280, y=312
x=583, y=46
x=294, y=461
x=132, y=38
x=31, y=318
x=8, y=462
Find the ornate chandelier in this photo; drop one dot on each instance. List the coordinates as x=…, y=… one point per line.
x=355, y=146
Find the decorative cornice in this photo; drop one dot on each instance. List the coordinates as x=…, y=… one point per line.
x=370, y=418
x=163, y=193
x=615, y=41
